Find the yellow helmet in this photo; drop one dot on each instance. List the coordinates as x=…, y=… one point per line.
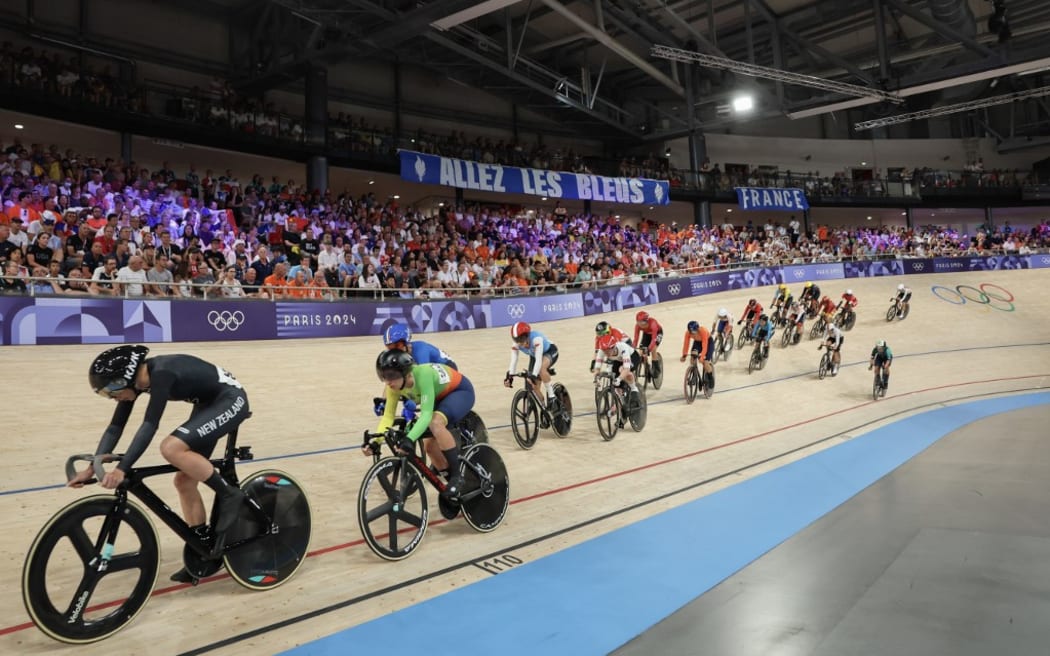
x=783, y=287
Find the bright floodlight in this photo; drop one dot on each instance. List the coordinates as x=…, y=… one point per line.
x=743, y=103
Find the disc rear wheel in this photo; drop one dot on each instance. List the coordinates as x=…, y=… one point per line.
x=268, y=561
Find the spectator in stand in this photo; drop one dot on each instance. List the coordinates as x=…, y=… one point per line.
x=11, y=283
x=160, y=277
x=103, y=279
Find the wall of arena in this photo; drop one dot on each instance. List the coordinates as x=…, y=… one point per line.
x=55, y=320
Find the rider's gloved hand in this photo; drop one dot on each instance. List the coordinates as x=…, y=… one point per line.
x=508, y=380
x=379, y=405
x=406, y=445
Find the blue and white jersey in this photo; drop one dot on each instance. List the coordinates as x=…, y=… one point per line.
x=537, y=342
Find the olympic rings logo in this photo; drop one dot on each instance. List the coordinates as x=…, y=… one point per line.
x=987, y=293
x=918, y=266
x=516, y=310
x=675, y=289
x=799, y=273
x=226, y=320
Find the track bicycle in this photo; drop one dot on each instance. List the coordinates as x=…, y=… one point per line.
x=897, y=309
x=93, y=566
x=649, y=372
x=723, y=346
x=392, y=509
x=819, y=326
x=695, y=381
x=827, y=362
x=616, y=406
x=528, y=412
x=846, y=318
x=878, y=387
x=745, y=336
x=790, y=332
x=759, y=356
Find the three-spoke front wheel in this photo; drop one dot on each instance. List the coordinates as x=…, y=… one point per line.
x=90, y=570
x=392, y=508
x=691, y=384
x=524, y=419
x=608, y=413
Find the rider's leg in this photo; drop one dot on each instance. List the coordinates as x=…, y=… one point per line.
x=545, y=376
x=433, y=451
x=449, y=452
x=190, y=499
x=886, y=376
x=197, y=467
x=836, y=357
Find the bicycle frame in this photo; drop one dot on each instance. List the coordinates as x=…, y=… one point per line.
x=375, y=444
x=135, y=484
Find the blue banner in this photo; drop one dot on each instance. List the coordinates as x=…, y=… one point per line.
x=534, y=309
x=1039, y=261
x=709, y=283
x=918, y=265
x=796, y=273
x=871, y=269
x=765, y=198
x=450, y=172
x=672, y=289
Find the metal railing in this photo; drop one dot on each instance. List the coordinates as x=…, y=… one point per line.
x=188, y=291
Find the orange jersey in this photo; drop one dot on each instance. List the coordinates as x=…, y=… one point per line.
x=702, y=336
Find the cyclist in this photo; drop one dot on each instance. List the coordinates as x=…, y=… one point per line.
x=751, y=313
x=723, y=325
x=848, y=301
x=652, y=334
x=533, y=343
x=882, y=357
x=810, y=296
x=795, y=314
x=763, y=331
x=902, y=299
x=399, y=336
x=444, y=397
x=624, y=359
x=826, y=308
x=698, y=341
x=833, y=338
x=781, y=301
x=603, y=328
x=220, y=404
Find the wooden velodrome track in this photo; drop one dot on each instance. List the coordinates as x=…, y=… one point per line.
x=312, y=399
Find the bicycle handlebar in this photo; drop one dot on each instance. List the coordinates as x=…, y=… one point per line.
x=96, y=465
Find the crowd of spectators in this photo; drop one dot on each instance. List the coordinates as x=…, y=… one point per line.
x=81, y=225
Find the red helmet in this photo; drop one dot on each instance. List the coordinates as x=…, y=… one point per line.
x=606, y=342
x=520, y=329
x=642, y=316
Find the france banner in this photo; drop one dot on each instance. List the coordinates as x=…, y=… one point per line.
x=762, y=198
x=450, y=172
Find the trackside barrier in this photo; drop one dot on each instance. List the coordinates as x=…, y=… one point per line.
x=92, y=320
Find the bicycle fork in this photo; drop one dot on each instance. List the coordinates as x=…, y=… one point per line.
x=99, y=564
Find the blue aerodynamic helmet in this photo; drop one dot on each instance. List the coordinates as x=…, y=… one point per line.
x=398, y=332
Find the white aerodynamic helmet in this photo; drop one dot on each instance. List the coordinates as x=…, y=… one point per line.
x=900, y=287
x=722, y=312
x=849, y=292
